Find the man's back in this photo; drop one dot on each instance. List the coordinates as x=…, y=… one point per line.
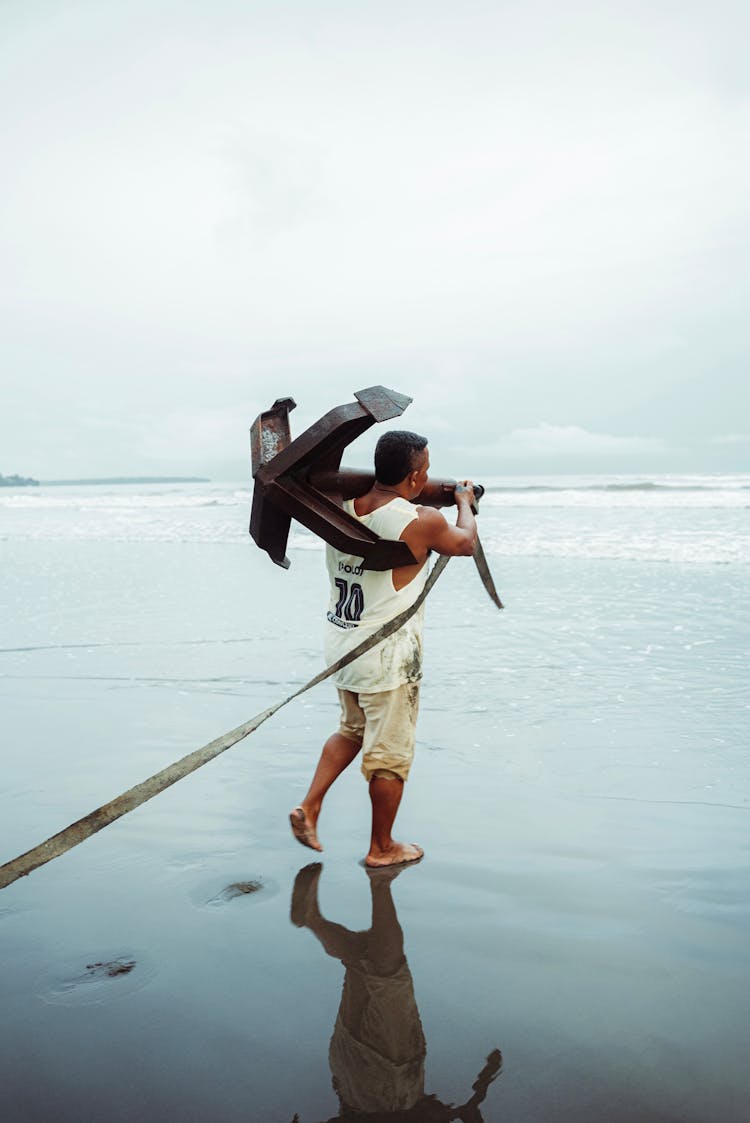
x=362, y=600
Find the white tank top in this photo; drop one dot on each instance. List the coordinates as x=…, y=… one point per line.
x=362, y=600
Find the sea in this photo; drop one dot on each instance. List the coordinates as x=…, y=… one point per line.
x=575, y=944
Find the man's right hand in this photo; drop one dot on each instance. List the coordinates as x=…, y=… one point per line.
x=464, y=490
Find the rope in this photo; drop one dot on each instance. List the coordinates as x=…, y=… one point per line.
x=101, y=817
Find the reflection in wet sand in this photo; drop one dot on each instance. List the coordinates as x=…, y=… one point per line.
x=378, y=1049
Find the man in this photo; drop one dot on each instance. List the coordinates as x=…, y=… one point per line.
x=379, y=691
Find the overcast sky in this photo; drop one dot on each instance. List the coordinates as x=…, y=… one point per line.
x=531, y=217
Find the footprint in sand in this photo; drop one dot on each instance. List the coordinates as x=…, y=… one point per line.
x=89, y=980
x=207, y=896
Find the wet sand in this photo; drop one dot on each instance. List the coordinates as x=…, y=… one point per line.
x=582, y=906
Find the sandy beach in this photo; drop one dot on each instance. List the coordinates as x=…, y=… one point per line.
x=577, y=931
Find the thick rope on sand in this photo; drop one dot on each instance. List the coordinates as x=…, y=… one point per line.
x=96, y=820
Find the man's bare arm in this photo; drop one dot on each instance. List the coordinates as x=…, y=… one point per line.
x=431, y=531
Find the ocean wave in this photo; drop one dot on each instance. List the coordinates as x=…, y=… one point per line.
x=646, y=497
x=512, y=541
x=735, y=482
x=190, y=533
x=645, y=485
x=679, y=519
x=673, y=549
x=684, y=490
x=611, y=496
x=78, y=502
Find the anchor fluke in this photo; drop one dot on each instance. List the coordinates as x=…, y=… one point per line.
x=381, y=403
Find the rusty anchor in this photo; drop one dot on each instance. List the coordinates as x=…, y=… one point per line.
x=304, y=479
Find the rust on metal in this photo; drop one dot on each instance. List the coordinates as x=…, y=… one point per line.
x=282, y=468
x=303, y=479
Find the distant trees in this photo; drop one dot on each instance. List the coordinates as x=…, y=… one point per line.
x=17, y=481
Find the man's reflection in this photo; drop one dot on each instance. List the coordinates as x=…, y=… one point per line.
x=377, y=1050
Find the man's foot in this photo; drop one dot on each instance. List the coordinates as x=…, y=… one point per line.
x=397, y=854
x=383, y=875
x=303, y=830
x=305, y=894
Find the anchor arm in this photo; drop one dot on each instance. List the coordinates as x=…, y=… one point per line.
x=282, y=467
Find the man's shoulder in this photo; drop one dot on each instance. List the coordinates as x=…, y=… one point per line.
x=428, y=524
x=430, y=517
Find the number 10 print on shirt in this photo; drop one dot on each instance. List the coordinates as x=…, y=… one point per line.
x=351, y=602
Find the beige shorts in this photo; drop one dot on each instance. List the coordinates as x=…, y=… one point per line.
x=385, y=725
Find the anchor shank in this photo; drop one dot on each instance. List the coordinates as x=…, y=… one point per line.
x=324, y=517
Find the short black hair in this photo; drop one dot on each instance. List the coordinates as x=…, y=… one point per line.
x=395, y=453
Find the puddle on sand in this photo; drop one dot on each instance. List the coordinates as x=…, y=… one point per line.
x=208, y=895
x=93, y=979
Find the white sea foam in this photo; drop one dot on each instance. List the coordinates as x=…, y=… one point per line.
x=672, y=546
x=674, y=519
x=46, y=501
x=688, y=491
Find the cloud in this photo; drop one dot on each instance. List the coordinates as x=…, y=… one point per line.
x=200, y=435
x=545, y=440
x=731, y=439
x=572, y=440
x=272, y=188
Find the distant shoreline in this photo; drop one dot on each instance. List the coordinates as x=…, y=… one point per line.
x=18, y=481
x=130, y=480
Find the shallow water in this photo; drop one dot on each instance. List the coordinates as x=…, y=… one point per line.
x=581, y=790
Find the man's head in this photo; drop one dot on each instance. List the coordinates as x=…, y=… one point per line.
x=400, y=454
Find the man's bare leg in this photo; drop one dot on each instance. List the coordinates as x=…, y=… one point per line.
x=385, y=796
x=338, y=753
